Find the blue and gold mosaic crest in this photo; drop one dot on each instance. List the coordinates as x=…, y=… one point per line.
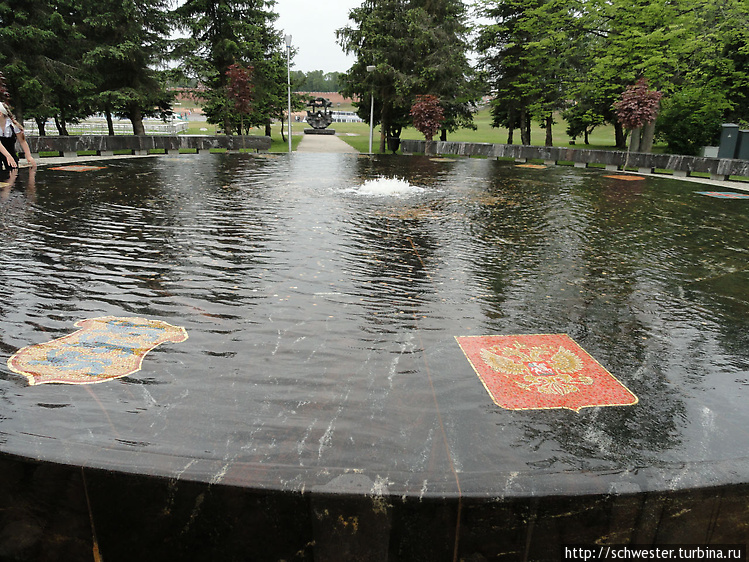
x=104, y=348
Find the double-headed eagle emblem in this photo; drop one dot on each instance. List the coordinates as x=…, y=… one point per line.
x=543, y=368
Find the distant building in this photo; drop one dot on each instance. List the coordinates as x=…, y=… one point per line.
x=346, y=117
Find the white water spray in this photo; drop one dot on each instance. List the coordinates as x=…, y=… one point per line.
x=383, y=186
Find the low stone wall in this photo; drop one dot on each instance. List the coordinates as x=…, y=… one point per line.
x=106, y=145
x=718, y=168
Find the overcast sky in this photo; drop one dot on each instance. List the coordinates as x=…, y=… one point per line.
x=312, y=26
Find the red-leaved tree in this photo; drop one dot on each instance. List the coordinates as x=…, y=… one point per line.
x=240, y=90
x=428, y=115
x=638, y=106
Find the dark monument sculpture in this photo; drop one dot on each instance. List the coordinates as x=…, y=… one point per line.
x=319, y=117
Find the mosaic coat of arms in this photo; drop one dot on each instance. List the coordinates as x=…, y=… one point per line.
x=77, y=168
x=104, y=348
x=528, y=372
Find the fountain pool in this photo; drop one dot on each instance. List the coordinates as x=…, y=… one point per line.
x=322, y=408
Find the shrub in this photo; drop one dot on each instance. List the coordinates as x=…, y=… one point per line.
x=691, y=119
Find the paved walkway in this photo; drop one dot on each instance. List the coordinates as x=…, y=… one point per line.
x=324, y=143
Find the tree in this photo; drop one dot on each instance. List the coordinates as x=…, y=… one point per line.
x=225, y=32
x=718, y=54
x=315, y=81
x=428, y=115
x=442, y=66
x=240, y=91
x=379, y=38
x=501, y=46
x=270, y=91
x=527, y=54
x=126, y=39
x=417, y=47
x=691, y=119
x=26, y=53
x=637, y=108
x=66, y=56
x=582, y=119
x=628, y=40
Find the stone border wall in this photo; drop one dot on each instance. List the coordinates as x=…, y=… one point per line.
x=105, y=145
x=718, y=168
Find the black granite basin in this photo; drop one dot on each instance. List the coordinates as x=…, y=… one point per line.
x=321, y=408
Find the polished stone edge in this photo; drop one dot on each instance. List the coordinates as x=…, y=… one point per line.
x=105, y=145
x=718, y=168
x=65, y=512
x=495, y=483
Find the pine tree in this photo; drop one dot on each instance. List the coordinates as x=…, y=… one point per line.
x=418, y=47
x=25, y=41
x=126, y=39
x=225, y=32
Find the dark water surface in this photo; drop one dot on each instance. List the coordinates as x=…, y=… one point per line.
x=321, y=321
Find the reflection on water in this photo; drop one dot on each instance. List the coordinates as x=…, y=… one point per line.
x=322, y=302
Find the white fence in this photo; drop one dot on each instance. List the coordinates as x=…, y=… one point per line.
x=99, y=127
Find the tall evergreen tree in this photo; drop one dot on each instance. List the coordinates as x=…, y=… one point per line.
x=418, y=47
x=126, y=40
x=67, y=83
x=379, y=38
x=225, y=32
x=528, y=54
x=442, y=66
x=26, y=37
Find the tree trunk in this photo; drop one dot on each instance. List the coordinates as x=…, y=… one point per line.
x=510, y=132
x=40, y=124
x=110, y=123
x=443, y=135
x=549, y=138
x=587, y=141
x=267, y=128
x=525, y=128
x=620, y=139
x=18, y=108
x=136, y=118
x=384, y=127
x=283, y=137
x=634, y=141
x=62, y=129
x=648, y=134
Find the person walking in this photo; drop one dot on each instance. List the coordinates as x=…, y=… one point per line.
x=10, y=131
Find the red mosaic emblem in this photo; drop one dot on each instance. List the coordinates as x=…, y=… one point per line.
x=538, y=372
x=78, y=168
x=625, y=178
x=105, y=348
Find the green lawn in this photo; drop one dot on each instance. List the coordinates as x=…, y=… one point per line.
x=602, y=138
x=357, y=134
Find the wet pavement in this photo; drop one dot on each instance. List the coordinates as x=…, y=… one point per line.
x=324, y=144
